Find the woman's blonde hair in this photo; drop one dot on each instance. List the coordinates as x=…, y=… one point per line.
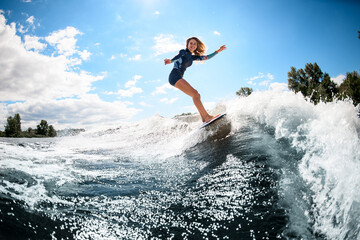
x=201, y=47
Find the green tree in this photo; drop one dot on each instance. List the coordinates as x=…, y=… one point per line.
x=51, y=131
x=13, y=129
x=10, y=127
x=309, y=81
x=297, y=81
x=350, y=88
x=42, y=128
x=314, y=77
x=244, y=92
x=13, y=126
x=328, y=89
x=17, y=125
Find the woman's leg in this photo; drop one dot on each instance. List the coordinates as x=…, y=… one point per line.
x=189, y=90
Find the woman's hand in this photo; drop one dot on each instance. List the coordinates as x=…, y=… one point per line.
x=222, y=48
x=167, y=61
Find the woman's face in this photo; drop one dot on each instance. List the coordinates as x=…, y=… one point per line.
x=192, y=45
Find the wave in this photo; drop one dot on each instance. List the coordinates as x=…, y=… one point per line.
x=304, y=158
x=327, y=135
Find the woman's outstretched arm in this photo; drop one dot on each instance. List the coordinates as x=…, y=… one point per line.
x=207, y=57
x=181, y=53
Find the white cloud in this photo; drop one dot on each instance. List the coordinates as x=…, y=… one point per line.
x=32, y=42
x=217, y=33
x=339, y=79
x=121, y=55
x=133, y=82
x=144, y=104
x=279, y=86
x=153, y=81
x=40, y=81
x=131, y=89
x=127, y=103
x=169, y=101
x=165, y=43
x=129, y=92
x=87, y=111
x=85, y=55
x=269, y=77
x=264, y=83
x=30, y=20
x=162, y=89
x=157, y=13
x=261, y=75
x=31, y=23
x=137, y=57
x=266, y=79
x=29, y=75
x=64, y=40
x=22, y=29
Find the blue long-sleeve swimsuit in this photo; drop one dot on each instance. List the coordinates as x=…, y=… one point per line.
x=182, y=61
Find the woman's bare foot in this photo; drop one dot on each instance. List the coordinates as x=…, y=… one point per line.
x=210, y=117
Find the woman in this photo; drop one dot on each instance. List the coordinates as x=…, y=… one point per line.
x=194, y=52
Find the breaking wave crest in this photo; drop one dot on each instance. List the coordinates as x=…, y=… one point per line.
x=283, y=168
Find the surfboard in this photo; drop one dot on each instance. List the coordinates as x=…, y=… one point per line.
x=208, y=123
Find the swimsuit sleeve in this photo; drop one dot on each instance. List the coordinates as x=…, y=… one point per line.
x=181, y=53
x=211, y=55
x=201, y=58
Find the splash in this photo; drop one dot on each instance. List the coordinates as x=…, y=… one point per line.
x=285, y=168
x=328, y=137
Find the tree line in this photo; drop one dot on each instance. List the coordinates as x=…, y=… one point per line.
x=317, y=86
x=13, y=129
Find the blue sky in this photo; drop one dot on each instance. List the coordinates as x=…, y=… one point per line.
x=85, y=63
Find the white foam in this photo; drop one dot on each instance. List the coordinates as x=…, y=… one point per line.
x=329, y=136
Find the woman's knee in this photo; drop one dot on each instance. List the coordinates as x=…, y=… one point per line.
x=196, y=95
